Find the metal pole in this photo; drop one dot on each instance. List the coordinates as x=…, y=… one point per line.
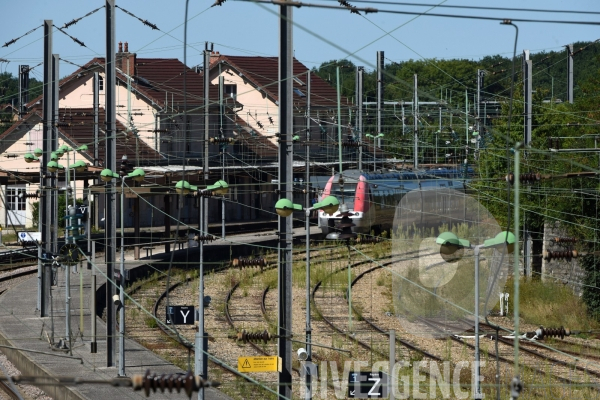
x=516, y=379
x=359, y=112
x=569, y=73
x=349, y=290
x=477, y=394
x=201, y=358
x=92, y=251
x=221, y=113
x=122, y=286
x=45, y=271
x=286, y=129
x=199, y=338
x=308, y=376
x=339, y=117
x=380, y=88
x=307, y=198
x=416, y=122
x=67, y=267
x=96, y=106
x=438, y=134
x=110, y=213
x=392, y=376
x=23, y=88
x=527, y=94
x=54, y=145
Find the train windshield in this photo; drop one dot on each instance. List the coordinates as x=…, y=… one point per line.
x=345, y=196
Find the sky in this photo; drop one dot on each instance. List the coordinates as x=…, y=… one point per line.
x=244, y=28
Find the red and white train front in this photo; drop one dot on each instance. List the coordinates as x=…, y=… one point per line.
x=354, y=192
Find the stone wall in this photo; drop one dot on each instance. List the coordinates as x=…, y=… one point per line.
x=566, y=271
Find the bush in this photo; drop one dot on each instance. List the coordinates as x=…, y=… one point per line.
x=591, y=294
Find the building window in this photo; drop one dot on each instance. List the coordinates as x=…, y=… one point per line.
x=230, y=91
x=100, y=83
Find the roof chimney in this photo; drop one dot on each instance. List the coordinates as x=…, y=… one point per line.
x=120, y=47
x=126, y=47
x=214, y=57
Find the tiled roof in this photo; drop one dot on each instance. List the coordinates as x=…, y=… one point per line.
x=159, y=79
x=263, y=72
x=76, y=125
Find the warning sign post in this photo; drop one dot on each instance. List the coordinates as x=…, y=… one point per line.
x=259, y=364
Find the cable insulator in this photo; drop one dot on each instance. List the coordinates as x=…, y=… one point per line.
x=220, y=140
x=245, y=336
x=530, y=177
x=554, y=143
x=348, y=143
x=549, y=255
x=368, y=239
x=204, y=238
x=249, y=262
x=188, y=382
x=205, y=193
x=565, y=240
x=510, y=178
x=543, y=333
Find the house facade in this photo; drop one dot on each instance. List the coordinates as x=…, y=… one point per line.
x=156, y=134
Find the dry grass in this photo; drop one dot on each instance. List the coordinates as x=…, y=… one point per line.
x=551, y=305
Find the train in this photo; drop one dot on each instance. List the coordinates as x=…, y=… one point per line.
x=372, y=198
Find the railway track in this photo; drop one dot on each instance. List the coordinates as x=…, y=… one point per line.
x=6, y=388
x=563, y=365
x=13, y=259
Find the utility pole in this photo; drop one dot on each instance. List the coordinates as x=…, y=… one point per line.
x=569, y=73
x=110, y=205
x=416, y=122
x=46, y=183
x=23, y=88
x=380, y=68
x=359, y=112
x=286, y=129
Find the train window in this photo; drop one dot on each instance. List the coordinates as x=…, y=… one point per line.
x=450, y=183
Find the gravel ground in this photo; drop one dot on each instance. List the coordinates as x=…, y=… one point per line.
x=28, y=391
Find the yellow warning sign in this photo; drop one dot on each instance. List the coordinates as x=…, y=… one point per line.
x=259, y=364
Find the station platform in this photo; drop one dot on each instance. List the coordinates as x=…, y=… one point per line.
x=25, y=337
x=29, y=337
